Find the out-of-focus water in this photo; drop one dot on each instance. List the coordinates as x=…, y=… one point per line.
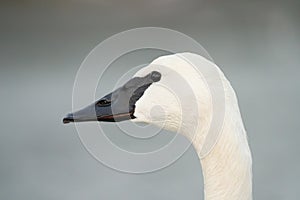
x=42, y=44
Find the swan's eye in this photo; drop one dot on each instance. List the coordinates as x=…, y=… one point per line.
x=103, y=102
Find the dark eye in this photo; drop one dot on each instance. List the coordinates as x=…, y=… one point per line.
x=103, y=102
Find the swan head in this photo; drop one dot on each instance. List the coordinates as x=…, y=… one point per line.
x=170, y=93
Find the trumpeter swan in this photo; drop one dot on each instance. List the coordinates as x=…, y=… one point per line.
x=227, y=168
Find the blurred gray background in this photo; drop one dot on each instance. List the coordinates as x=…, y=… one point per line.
x=42, y=44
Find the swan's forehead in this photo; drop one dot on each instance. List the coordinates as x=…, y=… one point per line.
x=179, y=76
x=166, y=64
x=173, y=94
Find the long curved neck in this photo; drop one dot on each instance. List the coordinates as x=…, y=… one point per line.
x=227, y=169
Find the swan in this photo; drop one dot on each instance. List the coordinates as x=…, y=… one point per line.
x=184, y=101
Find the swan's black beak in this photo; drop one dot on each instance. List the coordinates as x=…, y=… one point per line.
x=118, y=105
x=112, y=107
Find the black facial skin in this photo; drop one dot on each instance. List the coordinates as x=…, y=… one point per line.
x=118, y=105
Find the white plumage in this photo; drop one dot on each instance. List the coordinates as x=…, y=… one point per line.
x=187, y=94
x=182, y=101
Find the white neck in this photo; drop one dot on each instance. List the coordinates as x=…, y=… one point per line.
x=227, y=169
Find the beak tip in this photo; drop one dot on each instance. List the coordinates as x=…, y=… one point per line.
x=66, y=121
x=69, y=118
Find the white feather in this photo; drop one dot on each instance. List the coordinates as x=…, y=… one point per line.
x=182, y=102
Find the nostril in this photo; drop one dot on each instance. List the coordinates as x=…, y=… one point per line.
x=103, y=102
